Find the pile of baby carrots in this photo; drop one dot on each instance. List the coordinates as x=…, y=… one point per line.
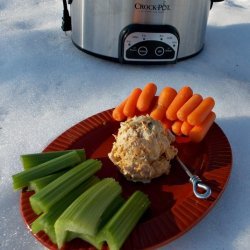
x=188, y=115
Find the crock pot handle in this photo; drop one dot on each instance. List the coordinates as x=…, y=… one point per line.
x=212, y=1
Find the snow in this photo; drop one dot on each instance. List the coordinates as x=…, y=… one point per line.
x=47, y=85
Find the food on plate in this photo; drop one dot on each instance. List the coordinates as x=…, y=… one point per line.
x=56, y=190
x=176, y=127
x=181, y=98
x=117, y=113
x=142, y=149
x=186, y=128
x=166, y=96
x=40, y=183
x=100, y=215
x=170, y=108
x=84, y=215
x=146, y=97
x=122, y=223
x=201, y=112
x=158, y=113
x=22, y=179
x=46, y=221
x=74, y=203
x=130, y=106
x=189, y=106
x=31, y=160
x=198, y=132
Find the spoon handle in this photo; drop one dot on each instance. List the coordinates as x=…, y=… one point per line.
x=201, y=190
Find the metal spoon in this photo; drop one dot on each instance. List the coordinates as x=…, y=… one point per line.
x=196, y=182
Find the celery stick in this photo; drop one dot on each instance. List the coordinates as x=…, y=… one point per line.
x=83, y=216
x=46, y=221
x=106, y=216
x=23, y=178
x=111, y=210
x=57, y=189
x=116, y=231
x=40, y=183
x=32, y=160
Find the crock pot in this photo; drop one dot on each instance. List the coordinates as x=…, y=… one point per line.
x=140, y=31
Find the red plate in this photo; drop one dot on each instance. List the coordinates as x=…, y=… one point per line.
x=174, y=209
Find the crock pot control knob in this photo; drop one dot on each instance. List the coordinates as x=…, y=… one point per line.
x=142, y=51
x=159, y=51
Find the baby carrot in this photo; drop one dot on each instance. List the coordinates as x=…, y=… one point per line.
x=188, y=107
x=153, y=104
x=176, y=127
x=198, y=132
x=165, y=98
x=130, y=105
x=146, y=97
x=117, y=113
x=158, y=112
x=201, y=112
x=183, y=95
x=186, y=128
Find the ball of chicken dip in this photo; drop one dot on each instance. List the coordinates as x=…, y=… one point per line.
x=142, y=149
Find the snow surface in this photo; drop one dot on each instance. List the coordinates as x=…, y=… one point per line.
x=47, y=85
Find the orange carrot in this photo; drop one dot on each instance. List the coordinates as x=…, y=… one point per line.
x=153, y=104
x=130, y=105
x=183, y=95
x=165, y=98
x=158, y=113
x=189, y=106
x=201, y=112
x=186, y=128
x=176, y=127
x=117, y=113
x=146, y=97
x=198, y=132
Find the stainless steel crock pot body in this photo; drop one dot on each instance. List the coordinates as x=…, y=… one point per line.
x=140, y=30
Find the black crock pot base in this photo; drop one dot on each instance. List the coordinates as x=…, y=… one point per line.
x=136, y=63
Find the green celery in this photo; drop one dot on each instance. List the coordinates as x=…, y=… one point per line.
x=111, y=210
x=116, y=231
x=46, y=221
x=106, y=216
x=83, y=216
x=40, y=183
x=57, y=189
x=32, y=160
x=23, y=178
